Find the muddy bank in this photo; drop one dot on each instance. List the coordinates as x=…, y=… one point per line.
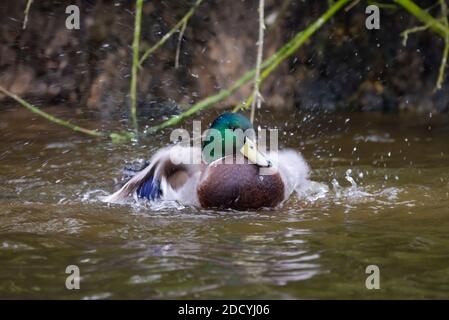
x=343, y=66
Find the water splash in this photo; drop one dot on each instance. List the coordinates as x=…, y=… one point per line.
x=356, y=193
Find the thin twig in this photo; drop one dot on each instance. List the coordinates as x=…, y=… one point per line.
x=49, y=117
x=381, y=5
x=444, y=12
x=352, y=5
x=25, y=13
x=442, y=28
x=424, y=17
x=256, y=93
x=272, y=62
x=443, y=64
x=133, y=86
x=405, y=33
x=170, y=33
x=290, y=48
x=178, y=47
x=116, y=137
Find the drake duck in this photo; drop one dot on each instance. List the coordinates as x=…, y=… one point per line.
x=226, y=172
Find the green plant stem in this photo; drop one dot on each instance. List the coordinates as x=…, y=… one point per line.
x=271, y=63
x=424, y=17
x=115, y=137
x=51, y=118
x=205, y=103
x=167, y=36
x=135, y=64
x=441, y=73
x=443, y=65
x=211, y=100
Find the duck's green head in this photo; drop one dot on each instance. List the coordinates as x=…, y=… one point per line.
x=228, y=134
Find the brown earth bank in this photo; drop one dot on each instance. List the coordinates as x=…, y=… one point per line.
x=342, y=66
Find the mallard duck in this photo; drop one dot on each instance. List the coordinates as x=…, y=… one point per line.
x=226, y=172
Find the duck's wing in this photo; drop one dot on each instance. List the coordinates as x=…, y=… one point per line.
x=172, y=174
x=294, y=171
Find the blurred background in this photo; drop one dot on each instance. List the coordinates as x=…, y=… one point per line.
x=344, y=66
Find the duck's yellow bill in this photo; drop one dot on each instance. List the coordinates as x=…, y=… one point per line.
x=250, y=151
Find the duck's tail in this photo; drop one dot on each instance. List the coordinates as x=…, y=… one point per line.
x=144, y=183
x=160, y=177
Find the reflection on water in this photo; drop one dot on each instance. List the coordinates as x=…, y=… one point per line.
x=382, y=199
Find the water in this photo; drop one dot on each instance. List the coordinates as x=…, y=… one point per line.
x=386, y=204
